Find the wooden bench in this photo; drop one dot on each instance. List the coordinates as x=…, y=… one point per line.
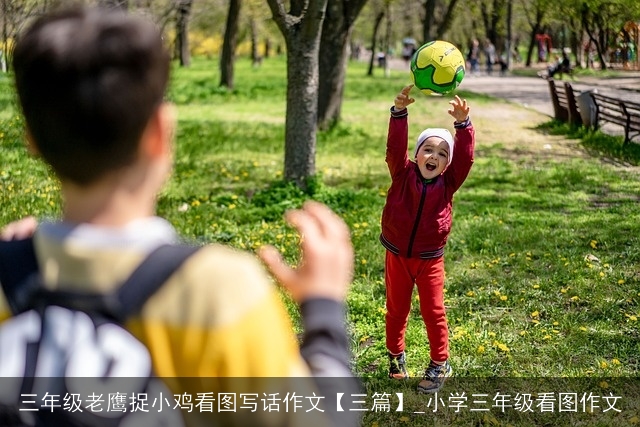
x=565, y=107
x=618, y=112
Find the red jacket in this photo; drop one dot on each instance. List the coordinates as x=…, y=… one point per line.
x=416, y=219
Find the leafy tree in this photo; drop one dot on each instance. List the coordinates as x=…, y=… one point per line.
x=376, y=13
x=438, y=17
x=494, y=19
x=301, y=29
x=535, y=12
x=602, y=20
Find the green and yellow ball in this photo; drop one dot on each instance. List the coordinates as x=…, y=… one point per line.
x=437, y=67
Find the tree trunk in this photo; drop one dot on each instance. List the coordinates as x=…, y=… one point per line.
x=447, y=19
x=429, y=20
x=228, y=56
x=182, y=32
x=374, y=38
x=535, y=22
x=332, y=69
x=333, y=57
x=431, y=29
x=255, y=57
x=301, y=116
x=491, y=18
x=267, y=47
x=586, y=22
x=532, y=43
x=574, y=43
x=301, y=28
x=509, y=45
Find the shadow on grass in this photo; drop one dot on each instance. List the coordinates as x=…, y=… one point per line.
x=609, y=148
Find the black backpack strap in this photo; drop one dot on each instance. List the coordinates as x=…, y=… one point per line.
x=149, y=277
x=126, y=301
x=17, y=262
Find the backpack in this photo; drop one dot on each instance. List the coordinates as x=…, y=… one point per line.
x=65, y=357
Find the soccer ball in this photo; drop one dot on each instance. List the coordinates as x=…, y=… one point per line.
x=437, y=67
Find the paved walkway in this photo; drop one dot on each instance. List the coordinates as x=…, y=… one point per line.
x=533, y=92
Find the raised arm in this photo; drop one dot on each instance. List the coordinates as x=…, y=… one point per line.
x=398, y=135
x=462, y=160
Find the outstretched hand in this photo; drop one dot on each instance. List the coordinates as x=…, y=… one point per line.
x=20, y=229
x=459, y=110
x=326, y=267
x=402, y=99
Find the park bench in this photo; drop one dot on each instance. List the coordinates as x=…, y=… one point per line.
x=618, y=112
x=565, y=107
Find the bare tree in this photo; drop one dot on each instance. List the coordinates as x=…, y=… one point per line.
x=15, y=14
x=301, y=29
x=183, y=11
x=334, y=42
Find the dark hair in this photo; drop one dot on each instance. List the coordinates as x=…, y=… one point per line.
x=88, y=81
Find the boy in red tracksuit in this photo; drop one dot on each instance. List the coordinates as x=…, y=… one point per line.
x=416, y=222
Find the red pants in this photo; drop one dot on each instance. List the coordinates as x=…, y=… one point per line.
x=428, y=275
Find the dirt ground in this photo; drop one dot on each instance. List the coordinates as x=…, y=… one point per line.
x=514, y=126
x=525, y=143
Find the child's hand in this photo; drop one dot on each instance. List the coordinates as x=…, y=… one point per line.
x=460, y=110
x=403, y=100
x=20, y=229
x=326, y=267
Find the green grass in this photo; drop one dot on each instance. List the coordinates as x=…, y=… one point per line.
x=542, y=263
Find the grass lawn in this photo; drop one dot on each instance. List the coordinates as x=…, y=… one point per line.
x=543, y=261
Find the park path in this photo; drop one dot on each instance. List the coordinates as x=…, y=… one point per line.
x=533, y=92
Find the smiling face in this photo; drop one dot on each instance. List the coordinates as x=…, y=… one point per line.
x=432, y=157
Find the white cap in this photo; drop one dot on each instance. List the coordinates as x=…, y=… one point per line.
x=441, y=133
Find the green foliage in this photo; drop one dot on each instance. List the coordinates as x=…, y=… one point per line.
x=542, y=262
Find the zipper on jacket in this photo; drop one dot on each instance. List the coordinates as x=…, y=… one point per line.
x=418, y=215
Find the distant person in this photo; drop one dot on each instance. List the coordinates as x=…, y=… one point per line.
x=515, y=52
x=91, y=84
x=560, y=65
x=490, y=55
x=473, y=57
x=502, y=62
x=416, y=222
x=408, y=49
